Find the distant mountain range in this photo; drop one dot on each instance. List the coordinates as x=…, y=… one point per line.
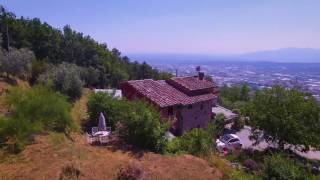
x=300, y=55
x=285, y=55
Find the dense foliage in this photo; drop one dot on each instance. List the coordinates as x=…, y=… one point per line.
x=103, y=67
x=234, y=97
x=286, y=116
x=196, y=142
x=33, y=110
x=216, y=126
x=136, y=122
x=279, y=167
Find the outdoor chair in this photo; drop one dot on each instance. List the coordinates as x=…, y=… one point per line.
x=94, y=130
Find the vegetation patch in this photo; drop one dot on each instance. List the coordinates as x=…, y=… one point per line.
x=280, y=167
x=34, y=110
x=132, y=171
x=285, y=117
x=69, y=171
x=138, y=123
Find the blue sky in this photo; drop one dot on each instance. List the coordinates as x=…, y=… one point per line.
x=184, y=26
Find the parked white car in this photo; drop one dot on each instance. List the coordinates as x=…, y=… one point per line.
x=228, y=142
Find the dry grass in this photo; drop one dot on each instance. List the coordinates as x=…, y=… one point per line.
x=52, y=159
x=79, y=110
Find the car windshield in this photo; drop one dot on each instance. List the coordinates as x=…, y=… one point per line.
x=226, y=138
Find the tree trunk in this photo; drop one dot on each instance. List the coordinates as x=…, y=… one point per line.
x=8, y=40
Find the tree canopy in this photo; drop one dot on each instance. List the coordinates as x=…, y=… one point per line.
x=286, y=116
x=234, y=97
x=54, y=46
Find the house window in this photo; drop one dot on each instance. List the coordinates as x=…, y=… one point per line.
x=189, y=106
x=170, y=111
x=201, y=107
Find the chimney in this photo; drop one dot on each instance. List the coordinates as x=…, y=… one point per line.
x=201, y=75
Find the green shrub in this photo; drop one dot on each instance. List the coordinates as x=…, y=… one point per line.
x=33, y=110
x=102, y=102
x=138, y=122
x=216, y=126
x=141, y=125
x=238, y=123
x=279, y=167
x=196, y=142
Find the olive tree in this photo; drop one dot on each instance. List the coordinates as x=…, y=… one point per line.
x=17, y=62
x=64, y=78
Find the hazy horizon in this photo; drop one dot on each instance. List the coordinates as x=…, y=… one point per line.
x=206, y=27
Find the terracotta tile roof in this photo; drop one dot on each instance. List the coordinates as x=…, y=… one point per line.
x=164, y=94
x=192, y=83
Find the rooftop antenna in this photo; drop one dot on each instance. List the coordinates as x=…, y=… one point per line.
x=198, y=68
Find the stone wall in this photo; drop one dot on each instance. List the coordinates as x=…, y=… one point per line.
x=195, y=116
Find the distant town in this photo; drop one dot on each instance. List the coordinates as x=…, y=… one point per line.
x=258, y=75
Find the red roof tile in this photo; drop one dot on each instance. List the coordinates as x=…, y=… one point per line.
x=193, y=83
x=164, y=94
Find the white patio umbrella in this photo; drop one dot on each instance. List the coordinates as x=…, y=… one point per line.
x=102, y=123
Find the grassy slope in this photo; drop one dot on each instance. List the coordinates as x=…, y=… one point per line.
x=52, y=153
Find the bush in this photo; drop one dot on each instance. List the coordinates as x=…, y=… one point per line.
x=251, y=165
x=279, y=167
x=102, y=102
x=238, y=123
x=196, y=142
x=33, y=110
x=133, y=171
x=216, y=126
x=69, y=171
x=64, y=78
x=139, y=123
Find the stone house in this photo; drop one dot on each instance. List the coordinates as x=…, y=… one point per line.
x=184, y=101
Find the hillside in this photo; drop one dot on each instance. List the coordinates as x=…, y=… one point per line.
x=102, y=66
x=55, y=156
